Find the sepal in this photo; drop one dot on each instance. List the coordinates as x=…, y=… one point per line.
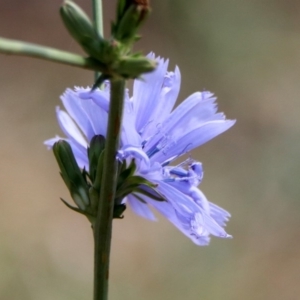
x=118, y=211
x=99, y=81
x=124, y=171
x=150, y=192
x=88, y=214
x=85, y=187
x=137, y=184
x=135, y=65
x=98, y=179
x=97, y=145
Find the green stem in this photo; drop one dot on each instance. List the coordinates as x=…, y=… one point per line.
x=103, y=225
x=8, y=46
x=98, y=21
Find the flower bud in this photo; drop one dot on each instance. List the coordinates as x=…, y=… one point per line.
x=81, y=29
x=71, y=173
x=130, y=16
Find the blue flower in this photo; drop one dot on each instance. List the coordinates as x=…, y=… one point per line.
x=155, y=134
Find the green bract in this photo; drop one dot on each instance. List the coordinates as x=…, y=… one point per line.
x=97, y=146
x=71, y=174
x=85, y=187
x=134, y=66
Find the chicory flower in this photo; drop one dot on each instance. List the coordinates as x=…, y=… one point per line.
x=154, y=135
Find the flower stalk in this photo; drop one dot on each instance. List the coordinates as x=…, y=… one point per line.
x=103, y=225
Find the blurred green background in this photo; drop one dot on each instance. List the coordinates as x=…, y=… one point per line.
x=248, y=53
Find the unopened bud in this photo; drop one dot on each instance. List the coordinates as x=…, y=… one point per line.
x=130, y=15
x=71, y=173
x=81, y=28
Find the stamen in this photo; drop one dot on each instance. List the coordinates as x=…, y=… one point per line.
x=158, y=147
x=179, y=172
x=152, y=151
x=189, y=171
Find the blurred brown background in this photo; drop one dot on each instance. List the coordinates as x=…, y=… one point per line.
x=248, y=53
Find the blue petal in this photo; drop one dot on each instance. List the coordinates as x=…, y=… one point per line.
x=50, y=142
x=80, y=154
x=182, y=203
x=97, y=116
x=72, y=103
x=101, y=98
x=78, y=151
x=194, y=111
x=220, y=215
x=168, y=211
x=129, y=135
x=191, y=140
x=188, y=212
x=193, y=192
x=69, y=128
x=146, y=93
x=141, y=209
x=206, y=221
x=167, y=98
